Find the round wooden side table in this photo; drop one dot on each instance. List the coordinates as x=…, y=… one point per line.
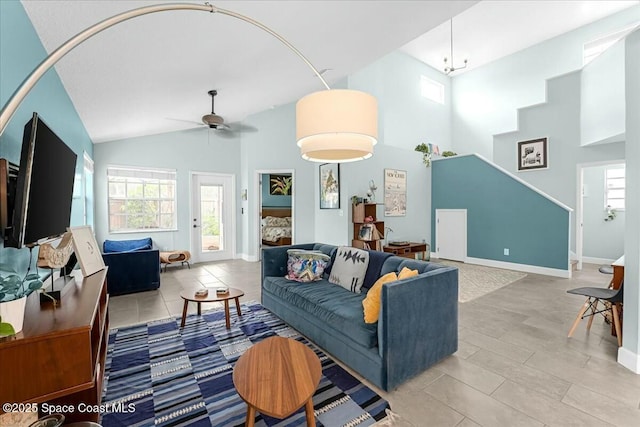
x=276, y=377
x=189, y=294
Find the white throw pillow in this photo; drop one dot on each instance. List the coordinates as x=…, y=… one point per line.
x=349, y=268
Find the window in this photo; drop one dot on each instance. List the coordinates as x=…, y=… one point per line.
x=594, y=48
x=432, y=90
x=141, y=199
x=614, y=191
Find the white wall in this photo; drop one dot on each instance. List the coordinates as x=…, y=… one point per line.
x=196, y=150
x=485, y=100
x=602, y=239
x=602, y=97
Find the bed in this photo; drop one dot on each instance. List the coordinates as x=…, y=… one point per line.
x=276, y=226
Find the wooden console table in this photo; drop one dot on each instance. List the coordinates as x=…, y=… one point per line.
x=410, y=250
x=59, y=355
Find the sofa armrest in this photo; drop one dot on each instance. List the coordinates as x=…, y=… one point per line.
x=418, y=323
x=274, y=259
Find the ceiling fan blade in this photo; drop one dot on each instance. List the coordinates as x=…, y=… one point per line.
x=241, y=127
x=186, y=121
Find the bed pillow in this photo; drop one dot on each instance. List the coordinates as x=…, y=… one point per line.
x=371, y=304
x=305, y=266
x=349, y=268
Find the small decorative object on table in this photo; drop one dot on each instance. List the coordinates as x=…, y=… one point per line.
x=202, y=292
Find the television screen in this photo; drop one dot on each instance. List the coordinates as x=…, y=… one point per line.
x=44, y=188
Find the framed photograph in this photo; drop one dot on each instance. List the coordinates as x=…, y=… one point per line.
x=533, y=154
x=395, y=192
x=366, y=232
x=330, y=186
x=280, y=185
x=87, y=250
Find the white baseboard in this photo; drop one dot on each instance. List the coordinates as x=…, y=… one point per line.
x=249, y=258
x=629, y=360
x=592, y=260
x=565, y=274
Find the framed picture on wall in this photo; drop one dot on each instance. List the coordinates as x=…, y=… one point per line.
x=330, y=186
x=280, y=185
x=533, y=154
x=395, y=192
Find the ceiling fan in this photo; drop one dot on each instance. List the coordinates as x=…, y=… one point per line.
x=213, y=120
x=216, y=122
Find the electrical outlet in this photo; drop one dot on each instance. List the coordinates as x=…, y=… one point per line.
x=506, y=251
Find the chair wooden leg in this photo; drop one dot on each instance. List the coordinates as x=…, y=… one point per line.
x=584, y=308
x=594, y=308
x=616, y=322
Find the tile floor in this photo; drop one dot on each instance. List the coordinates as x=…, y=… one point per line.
x=514, y=366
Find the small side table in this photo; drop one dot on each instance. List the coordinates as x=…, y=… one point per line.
x=410, y=250
x=276, y=377
x=189, y=294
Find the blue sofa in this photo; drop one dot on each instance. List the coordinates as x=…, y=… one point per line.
x=418, y=324
x=133, y=266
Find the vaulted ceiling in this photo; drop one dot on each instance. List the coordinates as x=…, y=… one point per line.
x=151, y=74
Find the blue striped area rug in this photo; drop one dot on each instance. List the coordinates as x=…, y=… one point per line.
x=157, y=374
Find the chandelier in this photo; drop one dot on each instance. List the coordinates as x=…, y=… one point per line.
x=448, y=69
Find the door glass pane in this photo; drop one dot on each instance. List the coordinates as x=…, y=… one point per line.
x=211, y=217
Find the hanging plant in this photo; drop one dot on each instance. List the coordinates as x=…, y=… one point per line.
x=449, y=154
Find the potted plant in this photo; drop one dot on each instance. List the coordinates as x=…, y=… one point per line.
x=13, y=298
x=426, y=153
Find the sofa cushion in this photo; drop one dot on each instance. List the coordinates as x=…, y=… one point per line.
x=126, y=245
x=349, y=268
x=376, y=260
x=371, y=304
x=305, y=266
x=397, y=263
x=329, y=303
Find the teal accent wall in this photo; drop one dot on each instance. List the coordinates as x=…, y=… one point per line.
x=20, y=52
x=272, y=200
x=501, y=213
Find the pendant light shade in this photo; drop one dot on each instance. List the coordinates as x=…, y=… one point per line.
x=337, y=125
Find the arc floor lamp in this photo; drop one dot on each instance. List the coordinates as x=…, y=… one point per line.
x=332, y=125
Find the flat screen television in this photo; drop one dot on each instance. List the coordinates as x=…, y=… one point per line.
x=44, y=187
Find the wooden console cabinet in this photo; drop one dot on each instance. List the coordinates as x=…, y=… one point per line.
x=59, y=356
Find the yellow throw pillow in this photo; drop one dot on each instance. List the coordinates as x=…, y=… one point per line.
x=371, y=303
x=405, y=273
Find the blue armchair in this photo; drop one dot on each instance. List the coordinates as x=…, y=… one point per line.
x=133, y=266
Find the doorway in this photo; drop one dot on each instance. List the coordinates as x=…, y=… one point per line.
x=212, y=225
x=276, y=195
x=599, y=237
x=451, y=234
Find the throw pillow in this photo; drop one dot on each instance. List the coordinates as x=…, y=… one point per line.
x=349, y=268
x=405, y=273
x=371, y=304
x=305, y=266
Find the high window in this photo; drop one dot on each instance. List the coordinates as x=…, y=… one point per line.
x=141, y=199
x=431, y=89
x=615, y=187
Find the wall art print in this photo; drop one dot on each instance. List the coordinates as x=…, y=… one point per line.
x=533, y=154
x=395, y=192
x=330, y=186
x=280, y=185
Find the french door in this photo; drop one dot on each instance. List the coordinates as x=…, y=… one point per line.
x=212, y=221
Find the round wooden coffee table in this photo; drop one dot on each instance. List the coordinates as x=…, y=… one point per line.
x=276, y=377
x=189, y=294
